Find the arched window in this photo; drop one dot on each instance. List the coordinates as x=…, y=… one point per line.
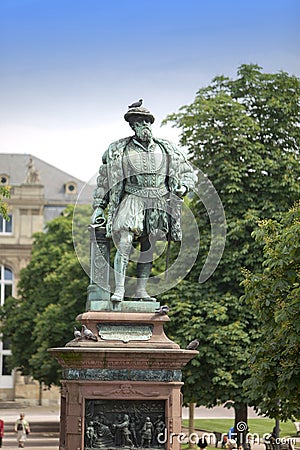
x=6, y=283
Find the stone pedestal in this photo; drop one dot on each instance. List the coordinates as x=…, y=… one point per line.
x=122, y=389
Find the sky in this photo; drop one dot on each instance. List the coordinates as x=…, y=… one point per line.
x=69, y=68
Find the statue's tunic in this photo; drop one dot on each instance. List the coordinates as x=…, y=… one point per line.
x=144, y=207
x=139, y=187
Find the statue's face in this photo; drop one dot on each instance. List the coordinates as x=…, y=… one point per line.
x=143, y=131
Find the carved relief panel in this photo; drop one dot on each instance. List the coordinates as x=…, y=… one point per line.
x=115, y=424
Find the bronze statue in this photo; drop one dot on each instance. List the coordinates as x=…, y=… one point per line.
x=141, y=183
x=147, y=433
x=125, y=434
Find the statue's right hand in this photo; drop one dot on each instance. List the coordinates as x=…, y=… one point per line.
x=98, y=216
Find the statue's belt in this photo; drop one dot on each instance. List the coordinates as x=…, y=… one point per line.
x=147, y=192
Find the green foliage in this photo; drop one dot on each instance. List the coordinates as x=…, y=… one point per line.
x=274, y=293
x=4, y=193
x=223, y=327
x=244, y=135
x=52, y=292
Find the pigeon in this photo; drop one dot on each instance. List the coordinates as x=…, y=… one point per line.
x=136, y=104
x=77, y=334
x=88, y=334
x=193, y=345
x=163, y=310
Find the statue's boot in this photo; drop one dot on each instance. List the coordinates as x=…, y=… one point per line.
x=121, y=263
x=118, y=295
x=143, y=272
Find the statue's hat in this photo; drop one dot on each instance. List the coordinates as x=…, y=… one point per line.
x=134, y=114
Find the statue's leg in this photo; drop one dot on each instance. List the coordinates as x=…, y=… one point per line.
x=121, y=263
x=143, y=270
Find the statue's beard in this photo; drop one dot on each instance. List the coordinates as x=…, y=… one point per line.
x=143, y=133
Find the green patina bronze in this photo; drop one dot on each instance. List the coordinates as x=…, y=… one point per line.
x=138, y=197
x=125, y=332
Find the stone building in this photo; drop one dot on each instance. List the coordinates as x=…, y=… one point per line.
x=39, y=193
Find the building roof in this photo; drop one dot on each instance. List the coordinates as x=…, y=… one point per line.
x=54, y=180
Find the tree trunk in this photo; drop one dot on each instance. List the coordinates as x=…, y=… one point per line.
x=40, y=393
x=241, y=422
x=277, y=433
x=277, y=428
x=191, y=422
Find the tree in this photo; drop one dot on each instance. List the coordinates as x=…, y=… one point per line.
x=244, y=135
x=4, y=193
x=221, y=361
x=274, y=293
x=52, y=292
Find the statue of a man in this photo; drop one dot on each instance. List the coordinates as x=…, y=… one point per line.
x=141, y=183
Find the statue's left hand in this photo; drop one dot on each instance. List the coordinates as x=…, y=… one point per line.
x=98, y=216
x=181, y=191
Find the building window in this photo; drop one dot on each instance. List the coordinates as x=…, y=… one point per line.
x=5, y=343
x=5, y=369
x=6, y=283
x=4, y=179
x=6, y=290
x=71, y=187
x=6, y=225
